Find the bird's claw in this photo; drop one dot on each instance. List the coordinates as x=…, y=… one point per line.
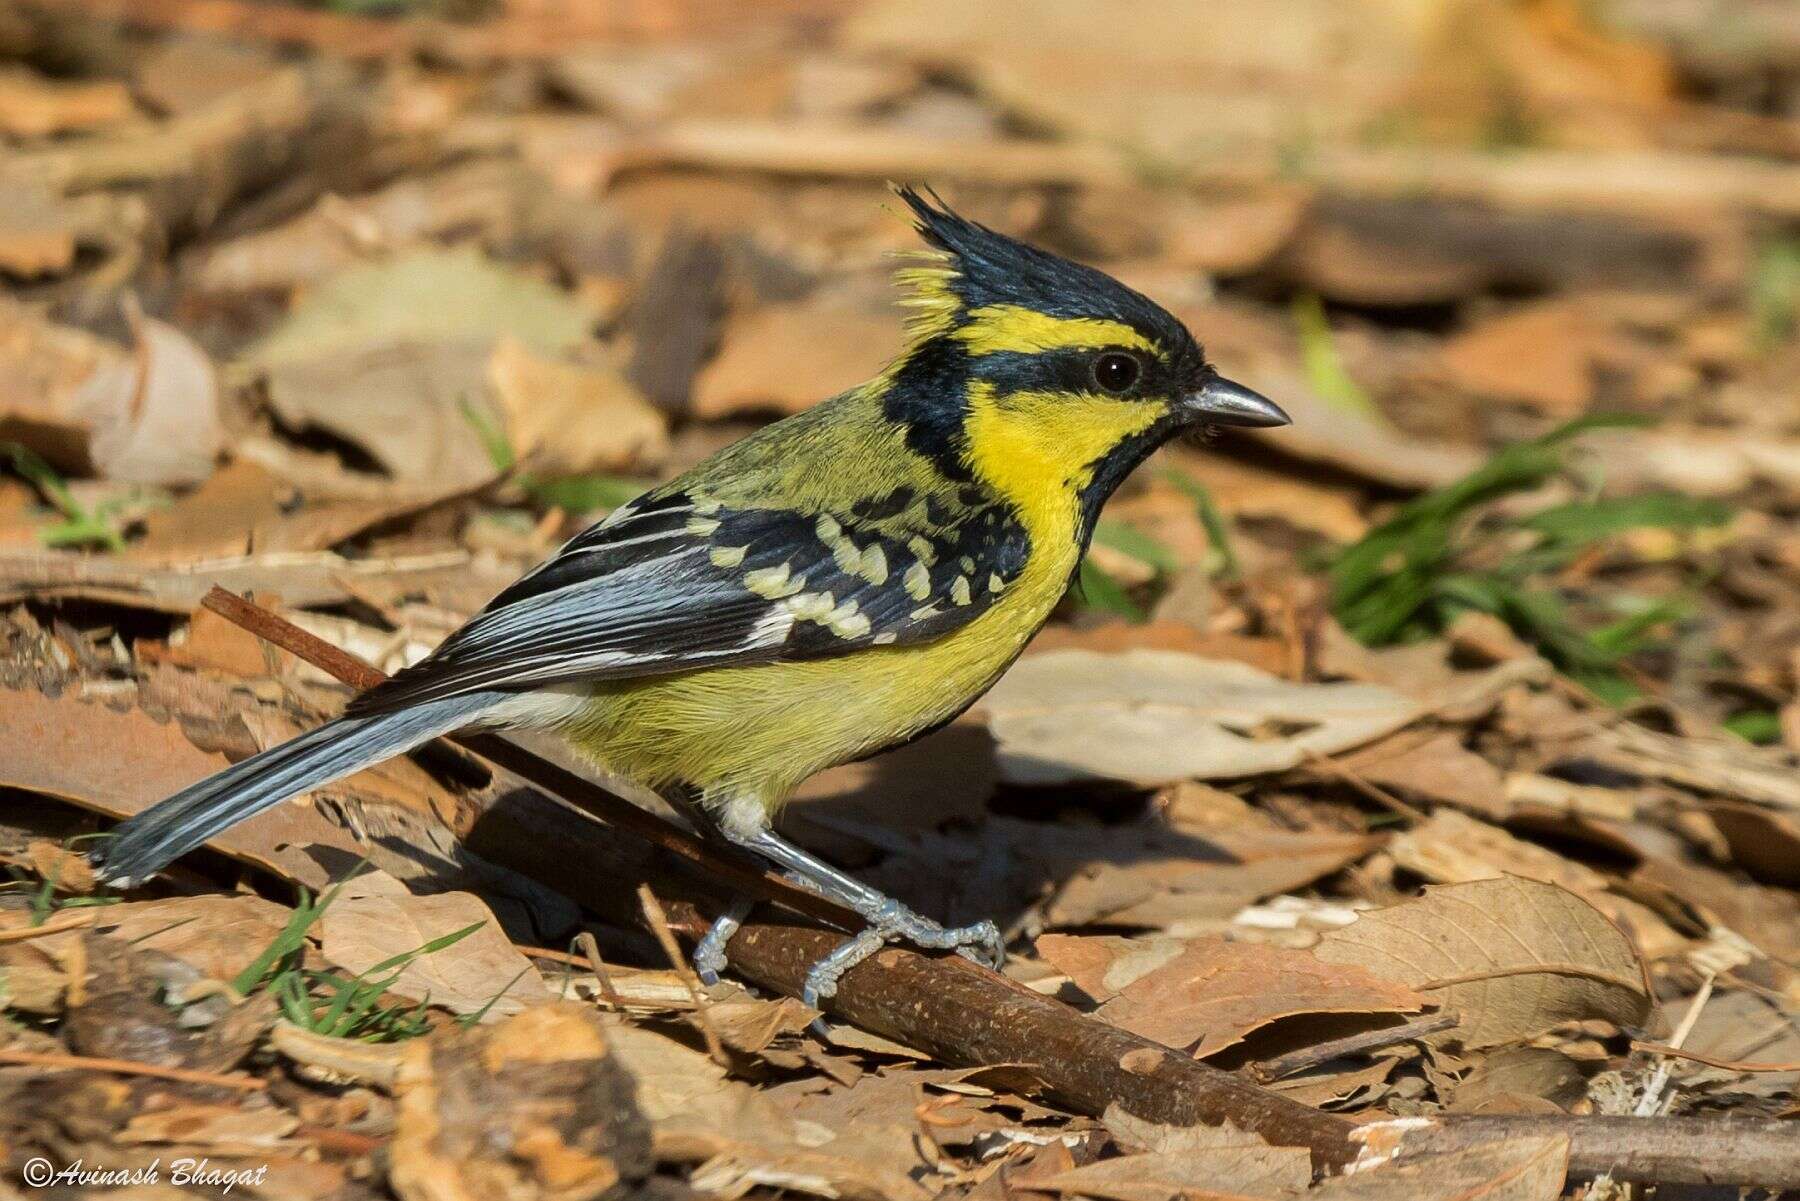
x=709, y=956
x=893, y=922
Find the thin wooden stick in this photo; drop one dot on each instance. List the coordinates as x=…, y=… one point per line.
x=131, y=1067
x=1283, y=1066
x=1730, y=1065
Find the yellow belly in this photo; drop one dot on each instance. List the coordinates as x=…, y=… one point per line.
x=757, y=732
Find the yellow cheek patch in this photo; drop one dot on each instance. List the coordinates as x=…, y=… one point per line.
x=1036, y=448
x=996, y=328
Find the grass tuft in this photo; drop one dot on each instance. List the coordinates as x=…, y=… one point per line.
x=1445, y=553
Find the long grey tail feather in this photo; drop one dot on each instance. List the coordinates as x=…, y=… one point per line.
x=148, y=842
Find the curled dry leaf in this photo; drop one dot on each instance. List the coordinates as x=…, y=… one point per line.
x=567, y=418
x=375, y=918
x=1206, y=993
x=535, y=1108
x=155, y=417
x=1514, y=957
x=1152, y=717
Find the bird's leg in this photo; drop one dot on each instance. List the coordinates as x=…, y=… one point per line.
x=889, y=920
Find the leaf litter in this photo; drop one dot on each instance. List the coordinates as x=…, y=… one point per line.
x=1471, y=695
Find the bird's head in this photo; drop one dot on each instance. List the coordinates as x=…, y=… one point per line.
x=1059, y=360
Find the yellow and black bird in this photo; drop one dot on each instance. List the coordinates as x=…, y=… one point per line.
x=834, y=585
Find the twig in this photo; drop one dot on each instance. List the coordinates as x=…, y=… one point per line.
x=1730, y=1065
x=131, y=1067
x=659, y=925
x=1283, y=1066
x=1376, y=793
x=590, y=947
x=964, y=1014
x=60, y=923
x=1665, y=1150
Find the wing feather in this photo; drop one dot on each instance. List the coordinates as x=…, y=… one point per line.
x=668, y=584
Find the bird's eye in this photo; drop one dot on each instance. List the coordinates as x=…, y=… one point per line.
x=1116, y=372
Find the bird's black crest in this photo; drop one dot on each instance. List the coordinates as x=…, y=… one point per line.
x=974, y=266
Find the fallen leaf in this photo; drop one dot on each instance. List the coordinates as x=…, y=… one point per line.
x=373, y=355
x=1435, y=768
x=840, y=341
x=38, y=235
x=1152, y=717
x=406, y=403
x=1764, y=842
x=1544, y=355
x=1514, y=1074
x=1513, y=957
x=218, y=934
x=1520, y=1169
x=566, y=418
x=155, y=417
x=375, y=918
x=402, y=300
x=1453, y=848
x=43, y=368
x=1205, y=994
x=48, y=746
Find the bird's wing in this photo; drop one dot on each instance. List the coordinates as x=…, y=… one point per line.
x=670, y=583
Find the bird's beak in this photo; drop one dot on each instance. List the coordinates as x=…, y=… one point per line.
x=1221, y=402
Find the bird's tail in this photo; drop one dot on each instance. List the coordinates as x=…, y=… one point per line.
x=169, y=829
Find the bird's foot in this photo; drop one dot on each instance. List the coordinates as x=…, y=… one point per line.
x=709, y=953
x=893, y=922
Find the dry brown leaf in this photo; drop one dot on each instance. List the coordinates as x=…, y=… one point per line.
x=220, y=935
x=1522, y=1169
x=1544, y=355
x=841, y=343
x=1206, y=994
x=1152, y=717
x=1210, y=1175
x=1175, y=880
x=567, y=418
x=32, y=978
x=1513, y=957
x=47, y=746
x=375, y=918
x=1764, y=842
x=38, y=235
x=43, y=368
x=1436, y=767
x=1511, y=1075
x=1453, y=848
x=155, y=417
x=751, y=1025
x=1242, y=1160
x=738, y=1134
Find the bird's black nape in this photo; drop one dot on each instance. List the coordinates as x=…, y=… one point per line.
x=987, y=268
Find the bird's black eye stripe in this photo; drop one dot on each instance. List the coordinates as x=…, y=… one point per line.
x=1115, y=371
